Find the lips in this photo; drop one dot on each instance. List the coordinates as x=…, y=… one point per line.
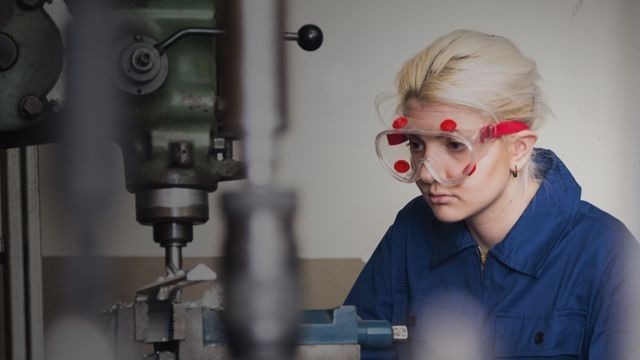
x=439, y=198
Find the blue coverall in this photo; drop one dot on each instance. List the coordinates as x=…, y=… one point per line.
x=553, y=288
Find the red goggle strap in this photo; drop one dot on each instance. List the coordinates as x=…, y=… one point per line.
x=502, y=128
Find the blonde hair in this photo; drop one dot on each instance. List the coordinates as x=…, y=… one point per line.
x=483, y=72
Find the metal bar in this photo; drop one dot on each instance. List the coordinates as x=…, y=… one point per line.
x=14, y=275
x=22, y=270
x=33, y=252
x=163, y=46
x=173, y=258
x=4, y=323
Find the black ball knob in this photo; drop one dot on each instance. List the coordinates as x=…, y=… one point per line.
x=310, y=37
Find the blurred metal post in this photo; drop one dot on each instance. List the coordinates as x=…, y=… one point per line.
x=91, y=117
x=21, y=266
x=261, y=316
x=257, y=85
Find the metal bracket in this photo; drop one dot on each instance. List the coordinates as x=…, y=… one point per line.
x=165, y=287
x=158, y=317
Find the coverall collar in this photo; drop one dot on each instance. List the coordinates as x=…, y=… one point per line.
x=527, y=245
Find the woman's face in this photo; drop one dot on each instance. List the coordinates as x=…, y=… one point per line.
x=483, y=190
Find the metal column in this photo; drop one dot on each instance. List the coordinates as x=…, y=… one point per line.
x=21, y=254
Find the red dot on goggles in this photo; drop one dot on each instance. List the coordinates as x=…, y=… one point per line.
x=401, y=166
x=448, y=125
x=400, y=122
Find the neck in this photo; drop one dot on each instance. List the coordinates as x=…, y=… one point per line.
x=490, y=226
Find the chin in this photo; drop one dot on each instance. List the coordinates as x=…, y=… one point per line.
x=447, y=214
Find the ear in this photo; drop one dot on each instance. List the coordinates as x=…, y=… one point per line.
x=522, y=148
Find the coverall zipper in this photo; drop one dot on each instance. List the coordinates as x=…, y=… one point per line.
x=483, y=258
x=483, y=279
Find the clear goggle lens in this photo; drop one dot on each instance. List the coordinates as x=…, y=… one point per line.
x=448, y=157
x=448, y=154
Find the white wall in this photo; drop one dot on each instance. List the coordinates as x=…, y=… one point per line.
x=588, y=52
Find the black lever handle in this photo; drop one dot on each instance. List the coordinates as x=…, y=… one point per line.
x=309, y=37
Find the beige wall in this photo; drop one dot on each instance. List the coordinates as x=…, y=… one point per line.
x=588, y=53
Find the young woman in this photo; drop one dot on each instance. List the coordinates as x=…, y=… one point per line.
x=499, y=257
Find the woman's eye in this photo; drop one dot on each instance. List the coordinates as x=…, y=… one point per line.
x=456, y=146
x=416, y=146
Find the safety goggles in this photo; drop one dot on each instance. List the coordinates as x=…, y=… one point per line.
x=448, y=153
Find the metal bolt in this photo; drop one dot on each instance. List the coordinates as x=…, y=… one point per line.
x=181, y=153
x=400, y=332
x=30, y=4
x=8, y=51
x=142, y=60
x=30, y=107
x=219, y=143
x=137, y=37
